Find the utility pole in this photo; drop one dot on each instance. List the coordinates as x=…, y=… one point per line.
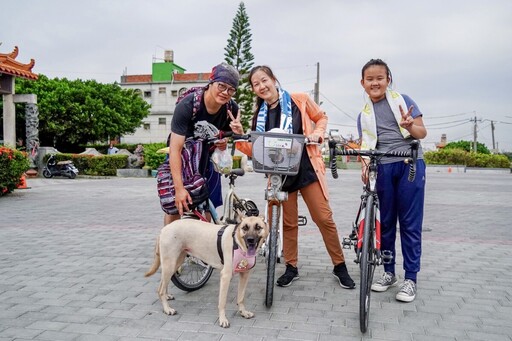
x=492, y=133
x=317, y=84
x=475, y=129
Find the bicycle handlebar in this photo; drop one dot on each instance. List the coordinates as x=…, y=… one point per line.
x=332, y=158
x=410, y=156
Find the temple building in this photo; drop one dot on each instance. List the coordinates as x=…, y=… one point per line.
x=10, y=68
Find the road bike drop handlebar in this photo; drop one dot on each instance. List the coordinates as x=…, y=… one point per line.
x=410, y=156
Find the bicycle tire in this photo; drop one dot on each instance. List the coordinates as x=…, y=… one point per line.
x=192, y=274
x=272, y=256
x=367, y=265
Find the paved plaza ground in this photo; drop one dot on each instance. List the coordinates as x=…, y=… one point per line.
x=73, y=255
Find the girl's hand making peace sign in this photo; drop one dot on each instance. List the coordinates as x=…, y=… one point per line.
x=407, y=120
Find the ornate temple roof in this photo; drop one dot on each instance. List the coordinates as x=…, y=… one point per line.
x=10, y=66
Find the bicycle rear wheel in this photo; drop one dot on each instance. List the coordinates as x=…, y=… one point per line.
x=272, y=256
x=192, y=274
x=367, y=265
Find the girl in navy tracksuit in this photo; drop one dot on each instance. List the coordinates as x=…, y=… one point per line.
x=389, y=121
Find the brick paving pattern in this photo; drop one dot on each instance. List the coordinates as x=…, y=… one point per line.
x=73, y=255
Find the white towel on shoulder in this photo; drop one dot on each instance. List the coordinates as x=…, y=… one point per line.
x=369, y=125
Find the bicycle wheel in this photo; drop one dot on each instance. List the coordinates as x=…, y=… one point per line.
x=192, y=274
x=272, y=256
x=367, y=265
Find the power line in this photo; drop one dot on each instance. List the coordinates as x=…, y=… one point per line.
x=453, y=115
x=444, y=127
x=437, y=124
x=341, y=110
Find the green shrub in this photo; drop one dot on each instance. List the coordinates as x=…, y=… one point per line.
x=104, y=165
x=13, y=163
x=469, y=159
x=153, y=159
x=468, y=146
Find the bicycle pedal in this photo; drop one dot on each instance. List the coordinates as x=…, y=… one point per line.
x=347, y=243
x=387, y=257
x=302, y=220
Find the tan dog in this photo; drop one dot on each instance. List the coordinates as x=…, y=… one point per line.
x=199, y=239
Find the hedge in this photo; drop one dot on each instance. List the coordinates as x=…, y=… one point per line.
x=468, y=159
x=103, y=165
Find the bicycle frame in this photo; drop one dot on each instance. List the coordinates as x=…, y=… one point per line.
x=234, y=207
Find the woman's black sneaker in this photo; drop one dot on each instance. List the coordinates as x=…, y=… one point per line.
x=341, y=274
x=291, y=274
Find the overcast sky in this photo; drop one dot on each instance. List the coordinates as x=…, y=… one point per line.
x=452, y=57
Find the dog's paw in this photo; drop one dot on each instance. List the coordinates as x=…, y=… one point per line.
x=246, y=314
x=170, y=311
x=223, y=322
x=170, y=297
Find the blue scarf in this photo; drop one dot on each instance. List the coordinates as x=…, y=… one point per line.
x=285, y=102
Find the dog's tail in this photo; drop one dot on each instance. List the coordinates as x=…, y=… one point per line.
x=156, y=259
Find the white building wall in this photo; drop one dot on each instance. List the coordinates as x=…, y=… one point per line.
x=162, y=98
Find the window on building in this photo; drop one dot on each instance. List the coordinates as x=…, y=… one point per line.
x=138, y=92
x=174, y=93
x=146, y=126
x=161, y=90
x=161, y=120
x=147, y=93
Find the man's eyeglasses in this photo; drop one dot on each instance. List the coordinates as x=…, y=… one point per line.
x=223, y=87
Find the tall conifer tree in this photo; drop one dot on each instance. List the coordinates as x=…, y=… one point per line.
x=238, y=54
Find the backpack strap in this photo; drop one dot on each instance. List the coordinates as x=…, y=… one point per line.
x=197, y=92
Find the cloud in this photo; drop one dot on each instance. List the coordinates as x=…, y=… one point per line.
x=451, y=57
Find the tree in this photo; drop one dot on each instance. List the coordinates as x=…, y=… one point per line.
x=74, y=113
x=238, y=54
x=468, y=146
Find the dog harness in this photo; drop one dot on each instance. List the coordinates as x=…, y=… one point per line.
x=241, y=262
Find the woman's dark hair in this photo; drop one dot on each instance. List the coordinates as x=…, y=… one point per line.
x=259, y=101
x=377, y=62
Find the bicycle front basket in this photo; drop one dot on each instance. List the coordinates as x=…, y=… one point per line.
x=276, y=153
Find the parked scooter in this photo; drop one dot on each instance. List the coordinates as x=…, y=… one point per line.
x=61, y=168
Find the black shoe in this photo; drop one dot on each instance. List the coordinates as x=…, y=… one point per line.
x=341, y=274
x=291, y=274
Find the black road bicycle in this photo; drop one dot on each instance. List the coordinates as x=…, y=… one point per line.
x=365, y=236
